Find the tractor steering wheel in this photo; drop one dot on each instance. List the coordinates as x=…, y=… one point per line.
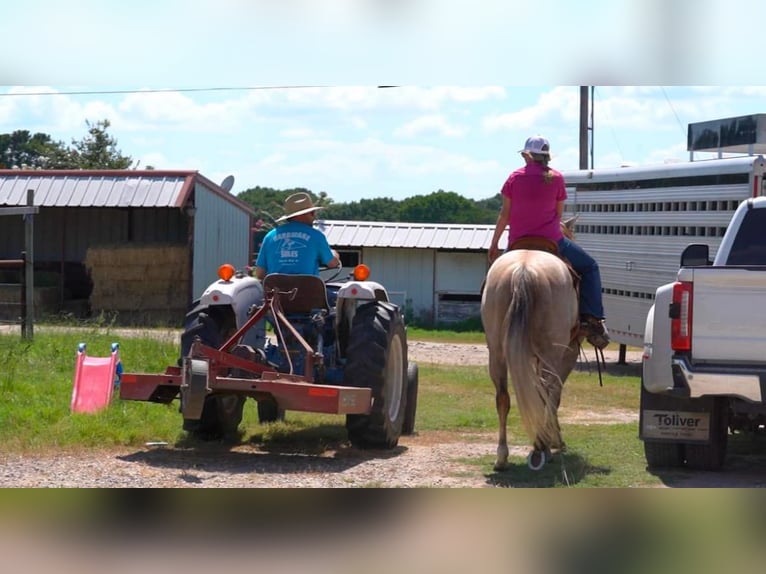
x=327, y=274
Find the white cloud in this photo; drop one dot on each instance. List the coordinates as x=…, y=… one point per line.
x=551, y=107
x=298, y=133
x=431, y=124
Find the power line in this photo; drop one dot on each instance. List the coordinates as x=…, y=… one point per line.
x=166, y=90
x=667, y=99
x=153, y=91
x=611, y=128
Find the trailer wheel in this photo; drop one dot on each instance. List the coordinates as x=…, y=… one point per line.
x=377, y=358
x=269, y=412
x=711, y=456
x=221, y=414
x=408, y=427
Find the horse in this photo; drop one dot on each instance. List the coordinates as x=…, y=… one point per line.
x=529, y=311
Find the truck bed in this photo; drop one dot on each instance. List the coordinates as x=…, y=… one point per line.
x=729, y=314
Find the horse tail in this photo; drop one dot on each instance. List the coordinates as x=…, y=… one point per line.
x=538, y=413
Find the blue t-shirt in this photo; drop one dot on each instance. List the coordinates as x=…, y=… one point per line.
x=294, y=248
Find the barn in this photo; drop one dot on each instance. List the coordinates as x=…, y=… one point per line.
x=433, y=270
x=140, y=244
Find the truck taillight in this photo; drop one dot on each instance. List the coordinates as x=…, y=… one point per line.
x=681, y=317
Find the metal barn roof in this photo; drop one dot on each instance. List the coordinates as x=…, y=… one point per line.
x=106, y=188
x=408, y=235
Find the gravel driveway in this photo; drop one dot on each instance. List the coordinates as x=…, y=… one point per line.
x=431, y=459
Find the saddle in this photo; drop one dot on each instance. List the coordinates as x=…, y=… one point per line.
x=535, y=244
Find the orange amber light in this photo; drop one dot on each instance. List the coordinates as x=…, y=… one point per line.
x=361, y=272
x=226, y=271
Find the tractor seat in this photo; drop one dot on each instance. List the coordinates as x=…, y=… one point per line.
x=297, y=293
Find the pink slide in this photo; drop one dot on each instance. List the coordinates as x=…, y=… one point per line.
x=94, y=380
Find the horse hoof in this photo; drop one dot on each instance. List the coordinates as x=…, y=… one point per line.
x=537, y=459
x=500, y=466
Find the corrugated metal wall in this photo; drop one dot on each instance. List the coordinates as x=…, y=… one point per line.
x=405, y=273
x=221, y=235
x=68, y=232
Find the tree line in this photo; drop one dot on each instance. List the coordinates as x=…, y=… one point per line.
x=97, y=149
x=436, y=207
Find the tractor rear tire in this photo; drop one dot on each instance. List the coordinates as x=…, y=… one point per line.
x=221, y=414
x=377, y=358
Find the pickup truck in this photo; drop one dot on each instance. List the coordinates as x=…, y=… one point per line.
x=704, y=360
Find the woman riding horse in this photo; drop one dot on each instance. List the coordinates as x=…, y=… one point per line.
x=533, y=201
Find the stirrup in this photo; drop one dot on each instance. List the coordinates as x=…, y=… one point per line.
x=595, y=332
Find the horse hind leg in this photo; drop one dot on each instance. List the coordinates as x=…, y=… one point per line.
x=499, y=374
x=543, y=445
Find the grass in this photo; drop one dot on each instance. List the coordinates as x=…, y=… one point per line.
x=36, y=387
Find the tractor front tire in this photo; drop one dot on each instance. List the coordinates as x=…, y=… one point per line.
x=377, y=358
x=408, y=427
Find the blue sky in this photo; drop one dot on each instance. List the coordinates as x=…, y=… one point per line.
x=288, y=98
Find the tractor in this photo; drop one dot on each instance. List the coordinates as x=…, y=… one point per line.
x=290, y=342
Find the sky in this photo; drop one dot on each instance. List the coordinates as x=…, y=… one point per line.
x=286, y=94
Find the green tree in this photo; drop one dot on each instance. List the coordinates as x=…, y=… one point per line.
x=439, y=207
x=376, y=209
x=98, y=149
x=489, y=208
x=20, y=149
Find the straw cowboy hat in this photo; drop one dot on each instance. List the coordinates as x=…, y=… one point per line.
x=298, y=204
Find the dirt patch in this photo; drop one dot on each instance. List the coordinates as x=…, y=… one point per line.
x=463, y=354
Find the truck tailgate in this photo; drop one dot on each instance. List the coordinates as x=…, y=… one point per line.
x=729, y=315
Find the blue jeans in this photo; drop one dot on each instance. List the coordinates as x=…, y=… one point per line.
x=590, y=283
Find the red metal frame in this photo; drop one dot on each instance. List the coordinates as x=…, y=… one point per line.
x=291, y=391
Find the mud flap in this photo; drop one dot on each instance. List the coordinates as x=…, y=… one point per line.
x=668, y=418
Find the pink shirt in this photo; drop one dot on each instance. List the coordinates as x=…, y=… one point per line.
x=534, y=202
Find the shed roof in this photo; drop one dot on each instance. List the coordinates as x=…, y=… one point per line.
x=408, y=235
x=106, y=188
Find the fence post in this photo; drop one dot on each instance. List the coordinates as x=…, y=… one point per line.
x=23, y=294
x=29, y=260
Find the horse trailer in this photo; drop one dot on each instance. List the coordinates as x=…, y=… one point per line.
x=636, y=221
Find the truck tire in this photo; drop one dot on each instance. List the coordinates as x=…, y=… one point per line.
x=711, y=456
x=408, y=427
x=663, y=454
x=377, y=358
x=221, y=414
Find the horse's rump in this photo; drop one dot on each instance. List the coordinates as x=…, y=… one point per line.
x=529, y=312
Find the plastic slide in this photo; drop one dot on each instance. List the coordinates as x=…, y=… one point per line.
x=94, y=380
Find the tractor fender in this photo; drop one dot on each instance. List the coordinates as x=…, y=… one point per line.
x=350, y=296
x=239, y=293
x=367, y=290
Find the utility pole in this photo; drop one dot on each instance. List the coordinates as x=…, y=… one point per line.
x=584, y=128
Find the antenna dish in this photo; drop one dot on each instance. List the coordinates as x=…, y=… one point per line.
x=227, y=183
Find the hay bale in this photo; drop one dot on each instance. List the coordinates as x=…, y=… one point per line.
x=139, y=280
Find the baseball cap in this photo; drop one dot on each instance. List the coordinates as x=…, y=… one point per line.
x=536, y=144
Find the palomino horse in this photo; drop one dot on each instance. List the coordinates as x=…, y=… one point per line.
x=529, y=310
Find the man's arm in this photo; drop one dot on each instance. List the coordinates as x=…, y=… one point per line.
x=260, y=272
